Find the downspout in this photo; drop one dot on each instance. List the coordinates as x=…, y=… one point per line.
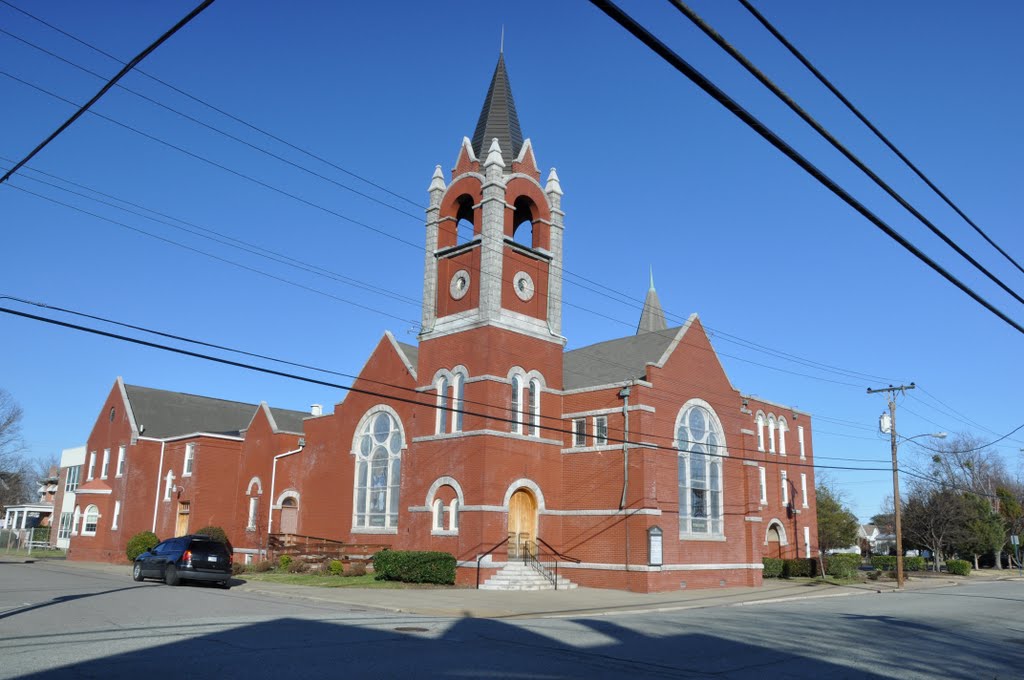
x=624, y=393
x=273, y=480
x=159, y=477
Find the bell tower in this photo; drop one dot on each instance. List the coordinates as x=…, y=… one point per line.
x=494, y=233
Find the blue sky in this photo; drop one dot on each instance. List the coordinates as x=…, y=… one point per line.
x=655, y=174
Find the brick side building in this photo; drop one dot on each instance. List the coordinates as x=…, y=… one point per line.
x=636, y=456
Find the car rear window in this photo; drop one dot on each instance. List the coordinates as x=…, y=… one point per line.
x=208, y=546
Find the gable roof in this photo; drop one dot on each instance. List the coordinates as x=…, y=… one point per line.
x=615, y=361
x=161, y=414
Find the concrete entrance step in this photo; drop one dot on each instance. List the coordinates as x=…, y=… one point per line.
x=519, y=576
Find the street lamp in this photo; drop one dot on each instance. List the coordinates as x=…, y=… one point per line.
x=887, y=424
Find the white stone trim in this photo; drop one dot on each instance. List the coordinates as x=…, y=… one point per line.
x=606, y=566
x=508, y=320
x=594, y=449
x=716, y=538
x=247, y=551
x=774, y=522
x=287, y=493
x=259, y=486
x=609, y=411
x=193, y=435
x=524, y=483
x=370, y=413
x=375, y=530
x=445, y=481
x=608, y=386
x=750, y=397
x=490, y=433
x=94, y=492
x=753, y=519
x=136, y=430
x=603, y=513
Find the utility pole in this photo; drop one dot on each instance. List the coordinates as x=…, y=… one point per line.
x=895, y=474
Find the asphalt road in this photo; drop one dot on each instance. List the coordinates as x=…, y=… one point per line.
x=68, y=623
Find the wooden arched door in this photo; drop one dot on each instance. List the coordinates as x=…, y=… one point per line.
x=522, y=522
x=289, y=516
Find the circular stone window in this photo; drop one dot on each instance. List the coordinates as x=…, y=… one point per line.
x=523, y=285
x=460, y=285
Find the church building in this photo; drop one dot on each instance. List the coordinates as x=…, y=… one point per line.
x=633, y=463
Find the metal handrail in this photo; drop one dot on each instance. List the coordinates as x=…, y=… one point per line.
x=479, y=559
x=531, y=560
x=557, y=555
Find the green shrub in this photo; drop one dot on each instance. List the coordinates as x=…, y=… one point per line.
x=336, y=567
x=874, y=575
x=885, y=562
x=284, y=561
x=842, y=565
x=913, y=564
x=958, y=567
x=140, y=543
x=798, y=568
x=772, y=567
x=216, y=533
x=262, y=566
x=414, y=566
x=298, y=567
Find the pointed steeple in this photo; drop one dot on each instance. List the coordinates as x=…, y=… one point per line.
x=498, y=119
x=653, y=317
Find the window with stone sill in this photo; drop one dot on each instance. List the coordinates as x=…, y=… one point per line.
x=579, y=432
x=701, y=446
x=378, y=450
x=92, y=519
x=600, y=430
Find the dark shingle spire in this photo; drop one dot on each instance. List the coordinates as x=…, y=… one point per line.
x=653, y=317
x=498, y=119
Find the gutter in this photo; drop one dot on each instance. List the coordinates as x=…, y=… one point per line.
x=273, y=481
x=159, y=477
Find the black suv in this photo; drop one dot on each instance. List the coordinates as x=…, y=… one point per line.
x=186, y=558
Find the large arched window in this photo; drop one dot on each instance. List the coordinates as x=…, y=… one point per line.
x=378, y=449
x=760, y=431
x=701, y=447
x=771, y=433
x=783, y=429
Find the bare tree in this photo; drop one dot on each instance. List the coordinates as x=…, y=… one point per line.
x=966, y=464
x=933, y=519
x=16, y=474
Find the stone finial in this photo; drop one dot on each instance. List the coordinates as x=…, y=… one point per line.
x=437, y=181
x=494, y=155
x=553, y=186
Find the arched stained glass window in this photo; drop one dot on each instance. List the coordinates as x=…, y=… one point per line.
x=701, y=447
x=378, y=449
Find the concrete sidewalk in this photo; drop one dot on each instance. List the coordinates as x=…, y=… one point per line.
x=465, y=602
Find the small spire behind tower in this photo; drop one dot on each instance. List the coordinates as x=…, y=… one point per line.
x=652, y=319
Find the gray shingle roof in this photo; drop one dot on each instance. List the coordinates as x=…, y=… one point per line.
x=412, y=353
x=498, y=119
x=614, y=361
x=161, y=414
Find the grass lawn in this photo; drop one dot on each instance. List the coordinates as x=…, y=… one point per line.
x=36, y=553
x=318, y=581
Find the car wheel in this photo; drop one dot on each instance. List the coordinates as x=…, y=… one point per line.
x=226, y=585
x=171, y=575
x=137, y=571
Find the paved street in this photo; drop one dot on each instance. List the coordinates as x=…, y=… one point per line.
x=98, y=623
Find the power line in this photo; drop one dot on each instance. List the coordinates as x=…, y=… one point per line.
x=626, y=299
x=103, y=90
x=885, y=140
x=681, y=65
x=211, y=106
x=836, y=144
x=352, y=388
